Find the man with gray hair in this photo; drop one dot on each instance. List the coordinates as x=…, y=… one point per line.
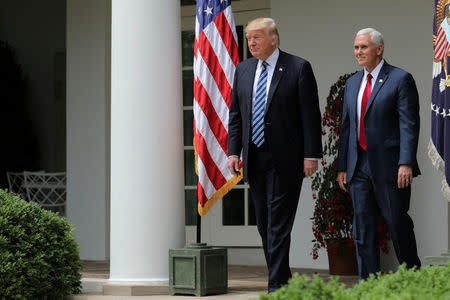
x=377, y=152
x=275, y=124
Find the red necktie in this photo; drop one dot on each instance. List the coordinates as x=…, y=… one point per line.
x=365, y=99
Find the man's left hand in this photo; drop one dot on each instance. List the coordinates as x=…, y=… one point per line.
x=405, y=176
x=309, y=167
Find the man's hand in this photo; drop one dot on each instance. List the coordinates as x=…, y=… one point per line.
x=309, y=167
x=233, y=165
x=405, y=176
x=342, y=179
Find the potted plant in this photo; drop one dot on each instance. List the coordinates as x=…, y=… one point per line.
x=332, y=221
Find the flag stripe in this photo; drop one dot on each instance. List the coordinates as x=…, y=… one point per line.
x=212, y=62
x=230, y=20
x=207, y=185
x=220, y=157
x=213, y=91
x=227, y=37
x=213, y=172
x=221, y=51
x=202, y=198
x=441, y=45
x=214, y=122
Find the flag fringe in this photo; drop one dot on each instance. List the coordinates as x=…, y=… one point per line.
x=203, y=210
x=439, y=164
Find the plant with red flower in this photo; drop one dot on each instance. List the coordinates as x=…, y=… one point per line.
x=333, y=213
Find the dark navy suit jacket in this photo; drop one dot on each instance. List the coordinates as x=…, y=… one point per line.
x=292, y=116
x=391, y=124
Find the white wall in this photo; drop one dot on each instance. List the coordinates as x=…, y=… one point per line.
x=36, y=30
x=88, y=82
x=323, y=33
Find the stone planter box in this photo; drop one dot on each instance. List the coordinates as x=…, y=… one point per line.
x=198, y=270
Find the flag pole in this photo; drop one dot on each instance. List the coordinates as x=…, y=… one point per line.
x=199, y=228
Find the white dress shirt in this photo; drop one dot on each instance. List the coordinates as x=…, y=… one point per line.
x=374, y=74
x=271, y=63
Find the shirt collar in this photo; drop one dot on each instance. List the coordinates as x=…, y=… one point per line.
x=271, y=60
x=375, y=71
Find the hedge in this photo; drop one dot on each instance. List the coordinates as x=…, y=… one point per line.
x=429, y=282
x=38, y=255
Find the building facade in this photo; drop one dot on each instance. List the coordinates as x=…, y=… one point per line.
x=128, y=118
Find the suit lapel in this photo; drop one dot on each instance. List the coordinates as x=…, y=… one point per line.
x=278, y=72
x=381, y=79
x=250, y=78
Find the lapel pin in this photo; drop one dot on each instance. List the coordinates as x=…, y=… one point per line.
x=280, y=69
x=381, y=80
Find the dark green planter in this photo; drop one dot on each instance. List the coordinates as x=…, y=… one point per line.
x=198, y=270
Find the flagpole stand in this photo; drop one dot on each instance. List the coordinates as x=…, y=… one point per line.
x=198, y=269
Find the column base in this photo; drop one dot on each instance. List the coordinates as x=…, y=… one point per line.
x=438, y=260
x=198, y=270
x=102, y=286
x=134, y=289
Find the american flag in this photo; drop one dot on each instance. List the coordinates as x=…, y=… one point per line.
x=216, y=56
x=439, y=146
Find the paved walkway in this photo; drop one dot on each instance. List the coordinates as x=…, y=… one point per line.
x=244, y=282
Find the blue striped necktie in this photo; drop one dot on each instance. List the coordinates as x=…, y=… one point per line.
x=259, y=106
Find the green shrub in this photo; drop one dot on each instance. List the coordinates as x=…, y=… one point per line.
x=430, y=282
x=38, y=255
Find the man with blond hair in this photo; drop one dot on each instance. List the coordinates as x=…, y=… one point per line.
x=275, y=125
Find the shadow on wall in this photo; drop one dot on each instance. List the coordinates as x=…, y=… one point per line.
x=18, y=147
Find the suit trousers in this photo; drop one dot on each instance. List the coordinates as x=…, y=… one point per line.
x=275, y=200
x=371, y=197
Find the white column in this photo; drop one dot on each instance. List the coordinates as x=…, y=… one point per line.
x=147, y=206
